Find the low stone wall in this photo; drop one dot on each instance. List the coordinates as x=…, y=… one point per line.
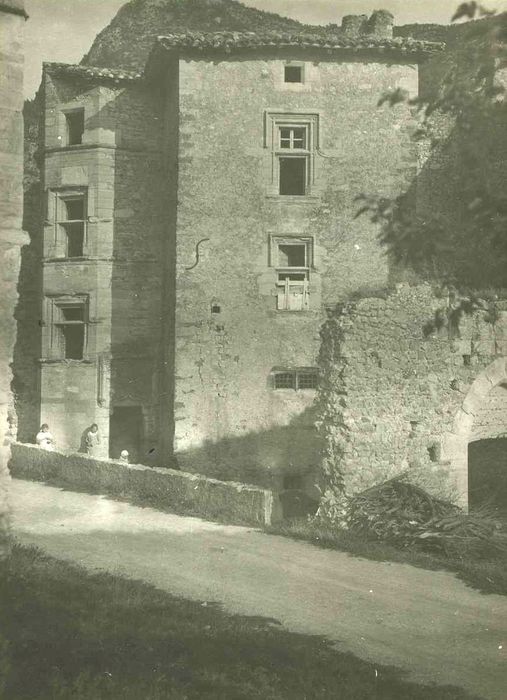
x=165, y=489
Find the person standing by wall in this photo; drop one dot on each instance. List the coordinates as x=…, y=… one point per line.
x=44, y=439
x=92, y=440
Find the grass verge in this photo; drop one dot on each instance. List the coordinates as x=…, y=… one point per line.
x=66, y=634
x=486, y=575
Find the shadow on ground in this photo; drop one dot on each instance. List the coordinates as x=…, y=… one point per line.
x=69, y=634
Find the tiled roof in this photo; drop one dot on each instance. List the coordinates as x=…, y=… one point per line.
x=235, y=41
x=92, y=72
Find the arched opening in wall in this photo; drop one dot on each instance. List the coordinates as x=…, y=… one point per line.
x=487, y=452
x=487, y=474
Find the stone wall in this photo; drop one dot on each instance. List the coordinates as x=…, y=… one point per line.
x=12, y=19
x=165, y=489
x=229, y=334
x=397, y=397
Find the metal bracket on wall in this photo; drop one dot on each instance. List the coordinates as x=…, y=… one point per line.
x=197, y=253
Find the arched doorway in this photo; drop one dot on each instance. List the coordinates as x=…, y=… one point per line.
x=477, y=446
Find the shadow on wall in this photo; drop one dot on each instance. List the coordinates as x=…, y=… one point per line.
x=27, y=350
x=279, y=458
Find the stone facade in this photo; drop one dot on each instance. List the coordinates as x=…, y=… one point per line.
x=182, y=289
x=12, y=19
x=215, y=221
x=230, y=335
x=395, y=399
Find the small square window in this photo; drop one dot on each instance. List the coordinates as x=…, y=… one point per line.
x=293, y=74
x=75, y=127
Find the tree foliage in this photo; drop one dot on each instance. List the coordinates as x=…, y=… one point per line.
x=457, y=237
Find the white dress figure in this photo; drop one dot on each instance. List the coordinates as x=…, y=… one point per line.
x=44, y=439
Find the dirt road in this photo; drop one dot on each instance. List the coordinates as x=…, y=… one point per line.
x=427, y=623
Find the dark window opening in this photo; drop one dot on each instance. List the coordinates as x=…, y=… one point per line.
x=467, y=360
x=296, y=379
x=72, y=216
x=70, y=324
x=73, y=341
x=293, y=176
x=74, y=209
x=285, y=380
x=293, y=74
x=434, y=452
x=73, y=313
x=75, y=239
x=307, y=380
x=215, y=309
x=292, y=255
x=75, y=127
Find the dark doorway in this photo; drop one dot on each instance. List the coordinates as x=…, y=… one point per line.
x=487, y=474
x=126, y=433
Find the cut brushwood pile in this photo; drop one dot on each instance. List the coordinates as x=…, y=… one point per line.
x=404, y=514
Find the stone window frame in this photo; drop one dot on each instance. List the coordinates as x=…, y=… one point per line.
x=274, y=120
x=51, y=335
x=55, y=203
x=294, y=378
x=282, y=295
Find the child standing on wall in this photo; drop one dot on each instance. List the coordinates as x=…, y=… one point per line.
x=44, y=439
x=92, y=440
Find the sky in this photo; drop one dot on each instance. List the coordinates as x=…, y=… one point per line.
x=63, y=30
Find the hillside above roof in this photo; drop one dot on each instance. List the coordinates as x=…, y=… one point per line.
x=229, y=42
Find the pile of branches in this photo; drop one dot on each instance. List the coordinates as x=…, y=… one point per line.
x=403, y=514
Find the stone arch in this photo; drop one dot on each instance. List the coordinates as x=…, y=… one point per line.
x=455, y=443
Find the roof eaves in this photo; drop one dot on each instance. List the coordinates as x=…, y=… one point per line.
x=227, y=42
x=92, y=72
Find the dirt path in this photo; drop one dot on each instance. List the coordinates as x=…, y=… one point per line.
x=427, y=623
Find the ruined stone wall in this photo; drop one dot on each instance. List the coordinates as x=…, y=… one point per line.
x=229, y=420
x=394, y=399
x=119, y=166
x=12, y=20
